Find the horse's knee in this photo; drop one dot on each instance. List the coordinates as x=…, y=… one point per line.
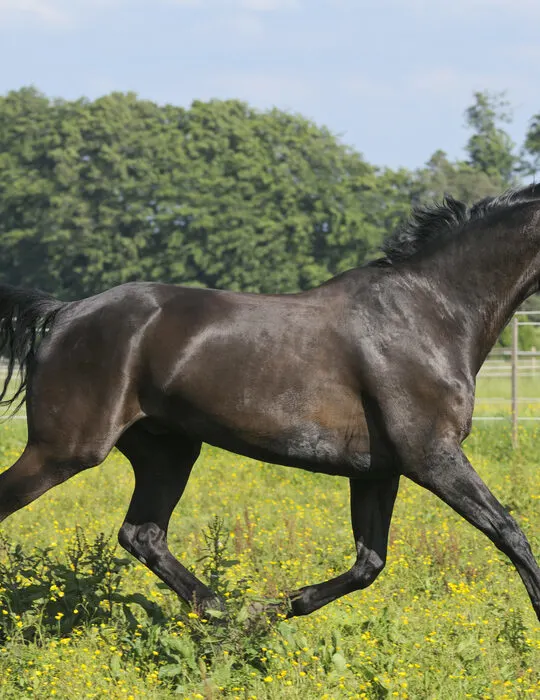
x=367, y=568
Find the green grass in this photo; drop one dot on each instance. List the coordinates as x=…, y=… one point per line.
x=490, y=391
x=501, y=387
x=447, y=619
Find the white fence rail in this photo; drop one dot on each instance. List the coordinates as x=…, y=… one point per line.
x=513, y=364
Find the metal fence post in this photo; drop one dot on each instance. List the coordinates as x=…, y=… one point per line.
x=514, y=381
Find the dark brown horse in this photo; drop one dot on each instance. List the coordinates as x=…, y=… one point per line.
x=370, y=376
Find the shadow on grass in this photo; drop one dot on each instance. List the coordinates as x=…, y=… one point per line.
x=46, y=594
x=42, y=596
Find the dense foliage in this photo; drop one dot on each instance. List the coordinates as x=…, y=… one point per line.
x=95, y=193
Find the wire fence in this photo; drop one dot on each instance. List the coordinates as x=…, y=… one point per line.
x=508, y=385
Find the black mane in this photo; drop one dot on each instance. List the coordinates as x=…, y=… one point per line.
x=440, y=221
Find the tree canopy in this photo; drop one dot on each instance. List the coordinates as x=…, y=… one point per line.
x=95, y=193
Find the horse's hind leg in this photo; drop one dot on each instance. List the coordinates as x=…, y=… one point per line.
x=162, y=465
x=34, y=473
x=372, y=505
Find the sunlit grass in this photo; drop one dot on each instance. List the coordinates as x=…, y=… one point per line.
x=448, y=618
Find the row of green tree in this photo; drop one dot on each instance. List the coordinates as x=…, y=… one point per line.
x=95, y=193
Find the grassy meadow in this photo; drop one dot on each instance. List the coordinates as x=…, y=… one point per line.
x=447, y=619
x=494, y=393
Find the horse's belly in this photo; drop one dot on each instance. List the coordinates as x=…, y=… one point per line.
x=329, y=435
x=308, y=447
x=315, y=445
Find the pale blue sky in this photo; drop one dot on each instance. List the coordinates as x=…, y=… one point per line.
x=392, y=77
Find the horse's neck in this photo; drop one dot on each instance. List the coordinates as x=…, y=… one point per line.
x=493, y=270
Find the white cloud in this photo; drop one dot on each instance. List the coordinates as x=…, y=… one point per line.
x=66, y=13
x=48, y=12
x=57, y=13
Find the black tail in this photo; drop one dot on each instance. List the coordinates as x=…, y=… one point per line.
x=25, y=315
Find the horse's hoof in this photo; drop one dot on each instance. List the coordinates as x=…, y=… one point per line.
x=211, y=609
x=258, y=609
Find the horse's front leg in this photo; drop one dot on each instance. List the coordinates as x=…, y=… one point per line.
x=447, y=472
x=371, y=511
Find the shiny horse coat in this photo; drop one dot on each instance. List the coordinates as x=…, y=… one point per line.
x=370, y=376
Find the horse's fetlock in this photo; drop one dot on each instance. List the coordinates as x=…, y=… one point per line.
x=367, y=568
x=143, y=541
x=149, y=536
